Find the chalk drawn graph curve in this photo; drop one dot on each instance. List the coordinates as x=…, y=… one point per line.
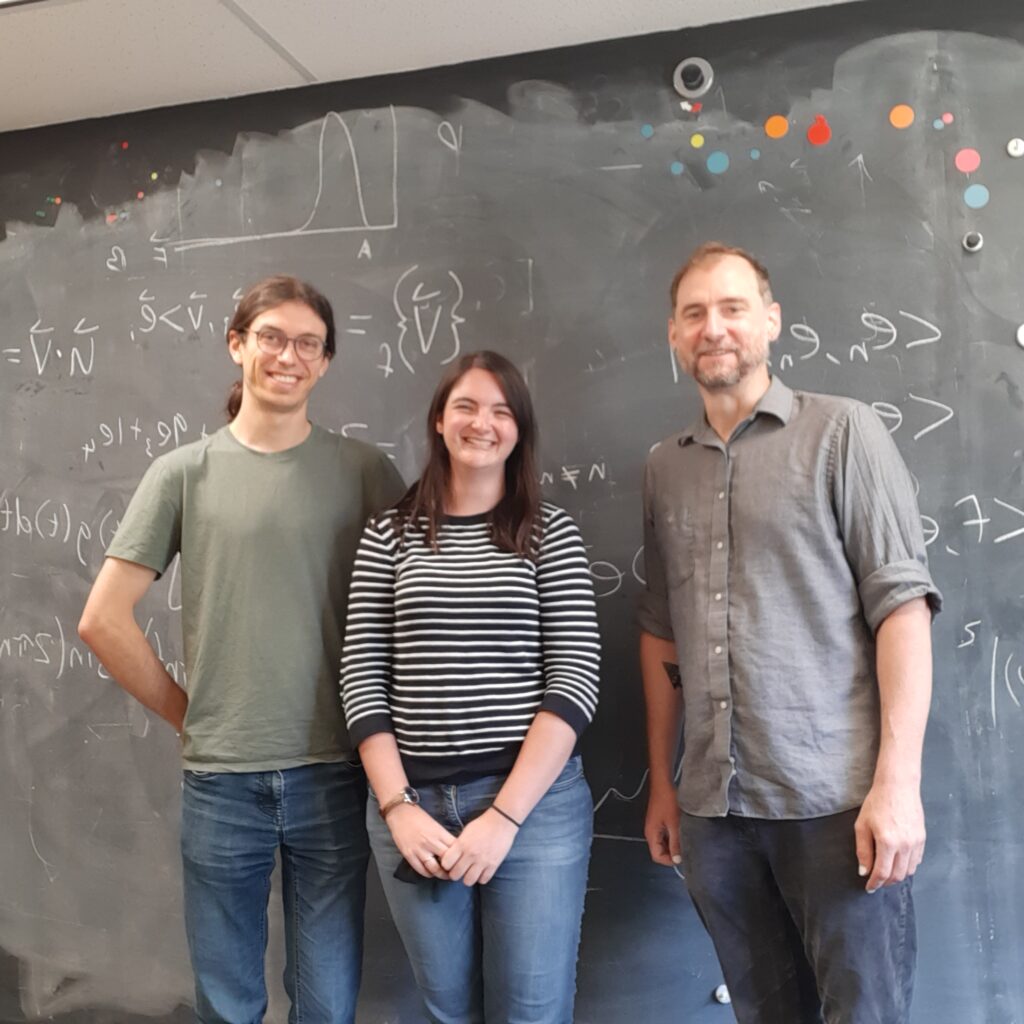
x=304, y=229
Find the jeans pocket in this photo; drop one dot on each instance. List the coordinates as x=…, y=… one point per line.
x=569, y=776
x=198, y=776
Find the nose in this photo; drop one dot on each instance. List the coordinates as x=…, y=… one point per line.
x=481, y=419
x=287, y=354
x=714, y=325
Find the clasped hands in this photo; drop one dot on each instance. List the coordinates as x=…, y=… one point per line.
x=471, y=857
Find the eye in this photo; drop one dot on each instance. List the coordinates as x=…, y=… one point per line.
x=309, y=345
x=270, y=338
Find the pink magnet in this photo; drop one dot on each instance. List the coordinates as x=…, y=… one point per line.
x=967, y=161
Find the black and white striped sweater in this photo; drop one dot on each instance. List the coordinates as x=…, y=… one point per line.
x=455, y=651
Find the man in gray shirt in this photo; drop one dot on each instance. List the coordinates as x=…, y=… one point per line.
x=786, y=626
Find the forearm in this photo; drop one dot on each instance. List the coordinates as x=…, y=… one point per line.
x=664, y=706
x=547, y=746
x=420, y=838
x=126, y=654
x=904, y=668
x=108, y=626
x=383, y=765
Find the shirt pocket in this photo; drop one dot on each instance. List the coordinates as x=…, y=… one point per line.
x=678, y=546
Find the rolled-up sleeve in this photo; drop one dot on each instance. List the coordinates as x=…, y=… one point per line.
x=652, y=608
x=879, y=518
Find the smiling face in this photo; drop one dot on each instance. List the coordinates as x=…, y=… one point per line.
x=477, y=424
x=723, y=324
x=278, y=383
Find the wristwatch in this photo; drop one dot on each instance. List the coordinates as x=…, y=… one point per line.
x=406, y=796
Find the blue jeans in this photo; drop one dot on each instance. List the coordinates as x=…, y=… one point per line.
x=232, y=826
x=798, y=938
x=503, y=952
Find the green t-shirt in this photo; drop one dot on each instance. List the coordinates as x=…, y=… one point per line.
x=267, y=542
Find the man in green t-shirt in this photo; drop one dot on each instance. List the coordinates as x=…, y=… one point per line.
x=266, y=516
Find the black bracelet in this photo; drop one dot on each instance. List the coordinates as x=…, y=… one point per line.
x=507, y=817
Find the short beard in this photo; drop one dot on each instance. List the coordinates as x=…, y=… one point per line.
x=746, y=363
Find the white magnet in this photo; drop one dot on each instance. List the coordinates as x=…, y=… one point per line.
x=692, y=77
x=722, y=995
x=1015, y=147
x=972, y=241
x=1020, y=335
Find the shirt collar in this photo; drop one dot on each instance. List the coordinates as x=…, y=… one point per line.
x=777, y=401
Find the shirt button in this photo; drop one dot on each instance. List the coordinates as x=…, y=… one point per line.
x=718, y=649
x=718, y=597
x=721, y=495
x=719, y=545
x=723, y=704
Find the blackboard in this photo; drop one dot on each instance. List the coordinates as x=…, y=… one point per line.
x=538, y=205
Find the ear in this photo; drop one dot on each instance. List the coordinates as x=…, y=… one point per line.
x=672, y=331
x=236, y=342
x=774, y=314
x=324, y=366
x=439, y=425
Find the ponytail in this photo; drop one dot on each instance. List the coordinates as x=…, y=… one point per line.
x=234, y=402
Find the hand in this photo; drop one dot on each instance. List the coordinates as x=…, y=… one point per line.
x=479, y=849
x=890, y=833
x=420, y=839
x=661, y=826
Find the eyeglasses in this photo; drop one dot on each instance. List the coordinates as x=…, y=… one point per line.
x=308, y=347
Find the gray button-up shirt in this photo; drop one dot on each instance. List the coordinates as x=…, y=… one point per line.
x=771, y=561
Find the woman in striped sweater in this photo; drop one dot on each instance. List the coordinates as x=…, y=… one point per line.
x=470, y=669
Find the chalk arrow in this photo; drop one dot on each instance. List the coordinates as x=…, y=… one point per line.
x=862, y=170
x=1012, y=533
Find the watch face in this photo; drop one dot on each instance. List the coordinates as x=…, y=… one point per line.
x=410, y=796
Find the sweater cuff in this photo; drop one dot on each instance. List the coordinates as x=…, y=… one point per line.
x=364, y=728
x=567, y=710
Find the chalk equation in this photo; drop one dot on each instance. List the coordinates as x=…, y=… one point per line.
x=55, y=645
x=1005, y=667
x=51, y=520
x=183, y=317
x=1006, y=522
x=575, y=475
x=427, y=307
x=119, y=432
x=72, y=352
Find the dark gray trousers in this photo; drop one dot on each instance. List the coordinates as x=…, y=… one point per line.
x=798, y=938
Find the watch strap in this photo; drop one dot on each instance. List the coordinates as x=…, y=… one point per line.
x=407, y=795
